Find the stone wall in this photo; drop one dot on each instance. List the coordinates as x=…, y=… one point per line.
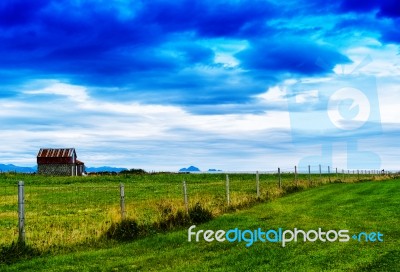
x=57, y=169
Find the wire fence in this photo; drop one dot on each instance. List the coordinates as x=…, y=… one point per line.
x=68, y=214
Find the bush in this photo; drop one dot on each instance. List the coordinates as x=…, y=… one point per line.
x=134, y=171
x=125, y=230
x=198, y=214
x=293, y=188
x=170, y=221
x=16, y=252
x=129, y=229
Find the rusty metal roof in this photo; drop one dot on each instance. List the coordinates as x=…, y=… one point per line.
x=78, y=162
x=56, y=153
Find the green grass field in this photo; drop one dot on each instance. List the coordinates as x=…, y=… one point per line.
x=357, y=207
x=65, y=211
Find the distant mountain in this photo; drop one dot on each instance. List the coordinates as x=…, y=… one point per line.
x=104, y=169
x=18, y=169
x=21, y=169
x=190, y=169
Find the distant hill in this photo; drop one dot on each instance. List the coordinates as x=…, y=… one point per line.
x=190, y=169
x=18, y=169
x=22, y=169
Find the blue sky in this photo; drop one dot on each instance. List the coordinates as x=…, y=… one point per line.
x=233, y=85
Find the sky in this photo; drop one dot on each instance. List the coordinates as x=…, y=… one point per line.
x=231, y=85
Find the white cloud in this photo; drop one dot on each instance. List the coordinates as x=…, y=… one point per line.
x=225, y=51
x=389, y=98
x=73, y=92
x=160, y=137
x=131, y=134
x=372, y=59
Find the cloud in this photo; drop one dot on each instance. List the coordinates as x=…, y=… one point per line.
x=208, y=18
x=136, y=132
x=100, y=45
x=391, y=34
x=383, y=8
x=161, y=48
x=75, y=93
x=19, y=12
x=291, y=55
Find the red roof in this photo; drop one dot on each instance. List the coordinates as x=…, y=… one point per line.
x=78, y=162
x=56, y=152
x=57, y=156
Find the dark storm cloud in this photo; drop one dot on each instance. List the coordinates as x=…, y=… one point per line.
x=291, y=55
x=384, y=8
x=380, y=17
x=19, y=12
x=393, y=34
x=95, y=44
x=43, y=34
x=387, y=17
x=146, y=48
x=208, y=18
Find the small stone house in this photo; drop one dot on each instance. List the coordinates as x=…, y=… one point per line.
x=59, y=162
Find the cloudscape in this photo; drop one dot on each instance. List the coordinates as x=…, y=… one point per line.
x=232, y=85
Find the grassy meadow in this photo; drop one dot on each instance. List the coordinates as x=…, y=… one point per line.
x=65, y=214
x=64, y=211
x=357, y=207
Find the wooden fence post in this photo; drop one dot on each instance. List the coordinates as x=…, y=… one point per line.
x=21, y=213
x=122, y=201
x=320, y=173
x=309, y=174
x=258, y=184
x=279, y=178
x=329, y=173
x=185, y=197
x=295, y=175
x=228, y=200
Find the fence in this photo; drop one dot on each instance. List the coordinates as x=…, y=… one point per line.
x=66, y=214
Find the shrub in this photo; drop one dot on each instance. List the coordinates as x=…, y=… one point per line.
x=293, y=188
x=16, y=252
x=134, y=171
x=198, y=214
x=125, y=230
x=171, y=220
